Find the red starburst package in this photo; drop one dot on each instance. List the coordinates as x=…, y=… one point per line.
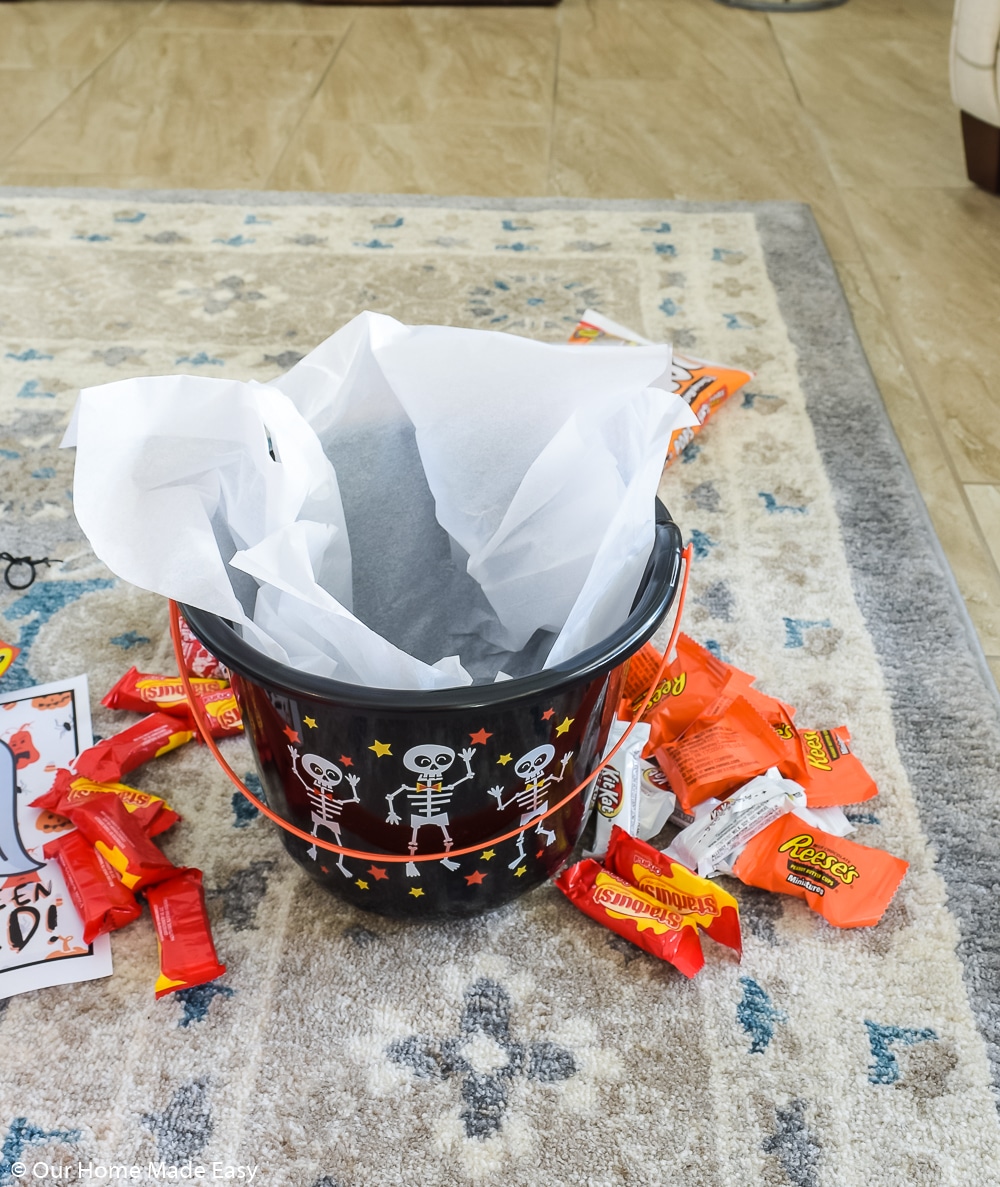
x=153, y=814
x=104, y=903
x=222, y=713
x=728, y=744
x=850, y=885
x=108, y=826
x=110, y=759
x=145, y=693
x=198, y=660
x=183, y=934
x=658, y=929
x=700, y=901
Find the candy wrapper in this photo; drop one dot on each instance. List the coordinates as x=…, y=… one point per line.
x=849, y=884
x=150, y=812
x=187, y=953
x=728, y=744
x=103, y=902
x=721, y=828
x=145, y=693
x=107, y=825
x=110, y=759
x=222, y=713
x=618, y=787
x=702, y=903
x=703, y=386
x=198, y=660
x=660, y=930
x=823, y=762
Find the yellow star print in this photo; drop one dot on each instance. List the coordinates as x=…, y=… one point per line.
x=503, y=760
x=487, y=854
x=380, y=748
x=520, y=870
x=564, y=725
x=310, y=721
x=361, y=883
x=416, y=892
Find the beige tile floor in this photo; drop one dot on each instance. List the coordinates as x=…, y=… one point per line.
x=846, y=109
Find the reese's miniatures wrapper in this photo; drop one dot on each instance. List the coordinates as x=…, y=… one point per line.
x=151, y=813
x=106, y=823
x=184, y=937
x=103, y=902
x=727, y=745
x=111, y=758
x=823, y=762
x=198, y=660
x=702, y=903
x=703, y=386
x=849, y=884
x=141, y=692
x=658, y=929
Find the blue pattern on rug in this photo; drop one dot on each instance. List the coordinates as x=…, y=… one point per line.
x=757, y=1015
x=884, y=1068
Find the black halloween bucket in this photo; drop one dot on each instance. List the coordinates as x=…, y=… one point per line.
x=443, y=803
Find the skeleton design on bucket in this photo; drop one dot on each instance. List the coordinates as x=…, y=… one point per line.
x=533, y=797
x=324, y=777
x=429, y=797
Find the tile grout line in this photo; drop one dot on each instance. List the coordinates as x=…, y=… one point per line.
x=83, y=81
x=891, y=319
x=267, y=181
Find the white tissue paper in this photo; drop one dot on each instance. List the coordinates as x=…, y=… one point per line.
x=722, y=828
x=407, y=507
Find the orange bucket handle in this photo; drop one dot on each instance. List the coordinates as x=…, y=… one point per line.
x=197, y=714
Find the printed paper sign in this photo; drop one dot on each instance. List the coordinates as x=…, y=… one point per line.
x=41, y=942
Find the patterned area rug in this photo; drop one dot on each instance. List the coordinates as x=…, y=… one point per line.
x=529, y=1046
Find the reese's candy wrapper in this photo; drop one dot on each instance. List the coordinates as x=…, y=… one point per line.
x=703, y=386
x=658, y=929
x=107, y=825
x=823, y=762
x=103, y=902
x=850, y=885
x=184, y=937
x=111, y=758
x=151, y=812
x=725, y=747
x=198, y=660
x=142, y=692
x=702, y=903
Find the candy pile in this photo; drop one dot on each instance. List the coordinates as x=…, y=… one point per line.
x=755, y=796
x=110, y=856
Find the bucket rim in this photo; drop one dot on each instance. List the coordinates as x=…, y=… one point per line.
x=656, y=594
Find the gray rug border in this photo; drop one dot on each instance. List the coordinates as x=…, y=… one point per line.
x=915, y=634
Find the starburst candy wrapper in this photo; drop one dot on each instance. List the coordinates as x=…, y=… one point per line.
x=111, y=758
x=222, y=713
x=728, y=744
x=117, y=837
x=703, y=386
x=660, y=930
x=850, y=885
x=103, y=902
x=143, y=692
x=198, y=660
x=184, y=937
x=702, y=903
x=153, y=814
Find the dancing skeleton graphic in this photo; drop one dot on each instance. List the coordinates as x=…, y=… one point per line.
x=429, y=797
x=324, y=779
x=533, y=797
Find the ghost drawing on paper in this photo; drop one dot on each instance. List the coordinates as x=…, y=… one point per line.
x=13, y=858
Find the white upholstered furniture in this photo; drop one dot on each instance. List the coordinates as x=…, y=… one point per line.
x=975, y=86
